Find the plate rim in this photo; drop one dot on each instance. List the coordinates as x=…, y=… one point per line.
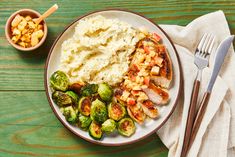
x=97, y=142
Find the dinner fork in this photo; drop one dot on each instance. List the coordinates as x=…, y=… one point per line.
x=201, y=58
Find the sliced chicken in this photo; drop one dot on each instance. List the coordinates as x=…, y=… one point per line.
x=156, y=94
x=161, y=81
x=149, y=109
x=165, y=74
x=136, y=112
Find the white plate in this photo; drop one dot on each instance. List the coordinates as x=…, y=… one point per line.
x=150, y=126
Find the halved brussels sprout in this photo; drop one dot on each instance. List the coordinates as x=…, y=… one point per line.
x=116, y=111
x=61, y=98
x=105, y=91
x=84, y=106
x=74, y=96
x=59, y=81
x=126, y=127
x=108, y=126
x=95, y=131
x=98, y=111
x=89, y=89
x=76, y=87
x=84, y=121
x=70, y=114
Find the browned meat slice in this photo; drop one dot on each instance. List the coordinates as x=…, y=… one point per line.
x=165, y=74
x=161, y=81
x=156, y=94
x=136, y=112
x=149, y=109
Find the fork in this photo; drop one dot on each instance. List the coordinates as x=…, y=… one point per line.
x=201, y=58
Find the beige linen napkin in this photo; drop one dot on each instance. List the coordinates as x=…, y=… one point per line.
x=216, y=136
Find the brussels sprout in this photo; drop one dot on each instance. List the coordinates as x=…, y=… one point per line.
x=70, y=114
x=108, y=126
x=95, y=96
x=89, y=89
x=98, y=111
x=76, y=87
x=116, y=111
x=95, y=131
x=105, y=91
x=61, y=99
x=84, y=106
x=126, y=127
x=59, y=81
x=84, y=121
x=73, y=95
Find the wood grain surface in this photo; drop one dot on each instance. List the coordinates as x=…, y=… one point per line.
x=27, y=125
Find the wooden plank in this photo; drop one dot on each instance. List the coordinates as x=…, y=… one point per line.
x=29, y=127
x=23, y=140
x=24, y=71
x=26, y=108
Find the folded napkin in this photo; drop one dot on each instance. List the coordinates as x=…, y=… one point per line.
x=216, y=136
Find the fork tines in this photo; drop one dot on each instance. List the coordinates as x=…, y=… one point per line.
x=205, y=45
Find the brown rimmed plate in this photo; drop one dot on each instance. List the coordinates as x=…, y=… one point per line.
x=150, y=126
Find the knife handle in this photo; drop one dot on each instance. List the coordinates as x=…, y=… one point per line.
x=199, y=117
x=190, y=117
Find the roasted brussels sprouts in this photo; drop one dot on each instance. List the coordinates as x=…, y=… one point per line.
x=98, y=111
x=84, y=106
x=116, y=111
x=70, y=114
x=89, y=89
x=108, y=126
x=76, y=87
x=61, y=98
x=105, y=91
x=84, y=121
x=126, y=127
x=73, y=95
x=95, y=131
x=59, y=81
x=95, y=96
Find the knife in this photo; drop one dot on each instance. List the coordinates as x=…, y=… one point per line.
x=221, y=52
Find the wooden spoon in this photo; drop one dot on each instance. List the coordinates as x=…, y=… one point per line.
x=46, y=14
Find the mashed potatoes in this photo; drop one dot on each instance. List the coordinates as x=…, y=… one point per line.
x=99, y=50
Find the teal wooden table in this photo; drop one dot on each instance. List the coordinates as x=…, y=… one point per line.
x=28, y=126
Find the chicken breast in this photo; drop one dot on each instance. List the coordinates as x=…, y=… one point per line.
x=156, y=94
x=136, y=112
x=161, y=81
x=165, y=74
x=149, y=109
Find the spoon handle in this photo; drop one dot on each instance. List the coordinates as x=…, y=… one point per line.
x=46, y=14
